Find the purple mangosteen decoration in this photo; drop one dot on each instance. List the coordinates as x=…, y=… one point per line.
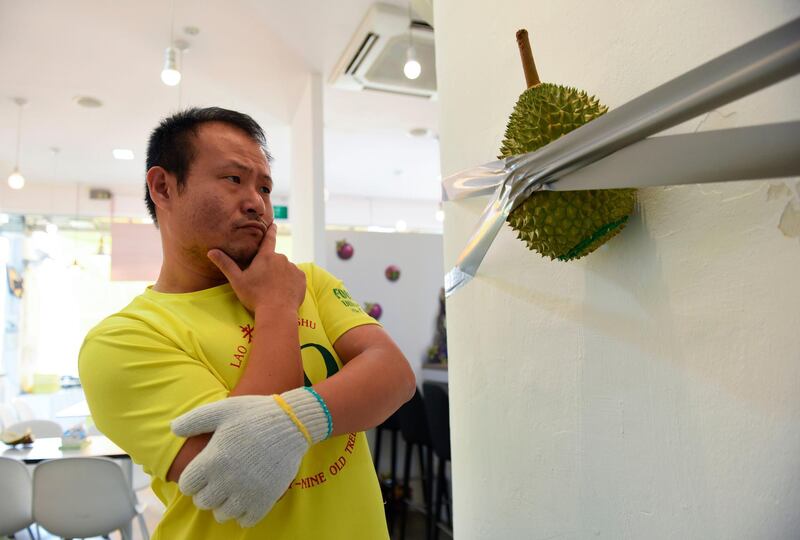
x=344, y=249
x=392, y=273
x=373, y=309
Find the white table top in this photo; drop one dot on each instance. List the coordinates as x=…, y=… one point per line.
x=50, y=448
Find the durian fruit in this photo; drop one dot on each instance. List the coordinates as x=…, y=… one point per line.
x=562, y=225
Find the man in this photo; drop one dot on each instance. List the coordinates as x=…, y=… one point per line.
x=267, y=372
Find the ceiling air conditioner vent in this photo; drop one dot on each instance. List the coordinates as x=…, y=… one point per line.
x=363, y=51
x=376, y=54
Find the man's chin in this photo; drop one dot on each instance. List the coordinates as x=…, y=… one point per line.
x=241, y=257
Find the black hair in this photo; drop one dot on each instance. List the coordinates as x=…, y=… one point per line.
x=170, y=144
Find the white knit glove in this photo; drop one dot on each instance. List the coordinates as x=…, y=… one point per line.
x=255, y=451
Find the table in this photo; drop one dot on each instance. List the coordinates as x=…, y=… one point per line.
x=434, y=372
x=50, y=448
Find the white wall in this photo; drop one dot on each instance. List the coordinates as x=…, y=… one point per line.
x=410, y=304
x=651, y=390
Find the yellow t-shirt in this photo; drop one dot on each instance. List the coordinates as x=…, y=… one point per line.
x=166, y=354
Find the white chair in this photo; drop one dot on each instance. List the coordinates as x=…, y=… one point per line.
x=84, y=497
x=8, y=415
x=24, y=411
x=141, y=480
x=16, y=511
x=39, y=428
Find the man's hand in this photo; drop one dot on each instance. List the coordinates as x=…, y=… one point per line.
x=270, y=282
x=254, y=454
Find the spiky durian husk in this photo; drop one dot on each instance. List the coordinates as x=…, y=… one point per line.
x=570, y=224
x=561, y=225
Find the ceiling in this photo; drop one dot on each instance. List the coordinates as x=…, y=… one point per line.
x=249, y=55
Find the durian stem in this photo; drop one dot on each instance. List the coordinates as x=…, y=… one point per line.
x=524, y=44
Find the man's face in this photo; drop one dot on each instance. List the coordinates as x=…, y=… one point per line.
x=225, y=202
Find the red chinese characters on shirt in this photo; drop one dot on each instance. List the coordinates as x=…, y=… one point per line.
x=241, y=350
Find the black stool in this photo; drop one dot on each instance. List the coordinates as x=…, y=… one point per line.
x=437, y=408
x=414, y=428
x=391, y=425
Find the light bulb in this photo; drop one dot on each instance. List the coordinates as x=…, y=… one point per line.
x=16, y=180
x=412, y=69
x=170, y=75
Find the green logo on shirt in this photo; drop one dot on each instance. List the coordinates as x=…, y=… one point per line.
x=346, y=299
x=331, y=367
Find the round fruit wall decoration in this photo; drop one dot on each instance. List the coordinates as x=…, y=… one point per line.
x=392, y=273
x=344, y=249
x=562, y=225
x=374, y=310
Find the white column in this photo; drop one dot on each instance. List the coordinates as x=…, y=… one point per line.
x=307, y=201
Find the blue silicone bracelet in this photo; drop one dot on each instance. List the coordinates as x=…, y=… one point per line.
x=324, y=408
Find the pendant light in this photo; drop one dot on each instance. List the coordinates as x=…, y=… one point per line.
x=412, y=67
x=15, y=179
x=75, y=264
x=171, y=74
x=51, y=227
